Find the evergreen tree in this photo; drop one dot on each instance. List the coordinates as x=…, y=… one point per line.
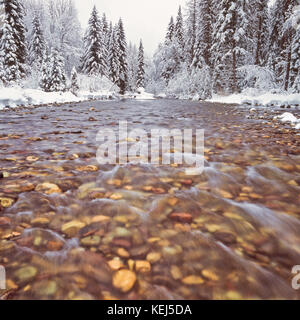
x=204, y=30
x=295, y=63
x=56, y=74
x=122, y=55
x=13, y=45
x=260, y=10
x=229, y=45
x=288, y=35
x=74, y=81
x=141, y=67
x=45, y=71
x=132, y=59
x=95, y=57
x=37, y=46
x=191, y=31
x=179, y=34
x=170, y=32
x=280, y=44
x=9, y=59
x=114, y=67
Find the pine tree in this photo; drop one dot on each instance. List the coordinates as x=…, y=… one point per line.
x=37, y=45
x=132, y=59
x=122, y=55
x=281, y=38
x=171, y=53
x=229, y=45
x=114, y=67
x=179, y=34
x=56, y=75
x=74, y=81
x=94, y=59
x=141, y=67
x=13, y=45
x=288, y=34
x=260, y=10
x=45, y=71
x=191, y=31
x=203, y=34
x=9, y=59
x=170, y=32
x=295, y=63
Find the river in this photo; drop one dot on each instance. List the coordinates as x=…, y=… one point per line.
x=71, y=228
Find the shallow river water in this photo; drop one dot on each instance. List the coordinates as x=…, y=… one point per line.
x=73, y=229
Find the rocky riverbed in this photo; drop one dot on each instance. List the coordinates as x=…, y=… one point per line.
x=73, y=229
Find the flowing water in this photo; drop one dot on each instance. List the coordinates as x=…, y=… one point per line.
x=73, y=229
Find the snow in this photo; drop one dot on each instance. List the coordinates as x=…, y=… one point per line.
x=255, y=98
x=288, y=117
x=143, y=95
x=16, y=96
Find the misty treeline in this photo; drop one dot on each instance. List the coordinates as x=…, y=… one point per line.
x=43, y=46
x=211, y=46
x=226, y=46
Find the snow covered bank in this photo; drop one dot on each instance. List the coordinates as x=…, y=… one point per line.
x=143, y=95
x=259, y=99
x=251, y=97
x=289, y=117
x=13, y=97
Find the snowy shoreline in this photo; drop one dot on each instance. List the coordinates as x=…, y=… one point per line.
x=269, y=100
x=18, y=97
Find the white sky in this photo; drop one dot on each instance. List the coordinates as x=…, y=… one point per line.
x=146, y=19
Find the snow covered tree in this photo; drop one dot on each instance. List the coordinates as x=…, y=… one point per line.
x=64, y=30
x=179, y=34
x=291, y=52
x=13, y=45
x=229, y=45
x=132, y=59
x=45, y=71
x=56, y=72
x=295, y=70
x=94, y=59
x=281, y=39
x=114, y=68
x=191, y=31
x=170, y=32
x=74, y=81
x=203, y=41
x=170, y=53
x=141, y=67
x=37, y=45
x=260, y=10
x=122, y=57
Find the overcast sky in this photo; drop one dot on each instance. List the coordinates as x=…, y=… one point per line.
x=146, y=19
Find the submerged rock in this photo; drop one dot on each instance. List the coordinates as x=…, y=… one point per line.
x=124, y=280
x=26, y=273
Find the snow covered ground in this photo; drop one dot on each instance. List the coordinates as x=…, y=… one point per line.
x=259, y=99
x=290, y=118
x=13, y=97
x=265, y=100
x=141, y=94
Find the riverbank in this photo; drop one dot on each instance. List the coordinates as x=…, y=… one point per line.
x=20, y=97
